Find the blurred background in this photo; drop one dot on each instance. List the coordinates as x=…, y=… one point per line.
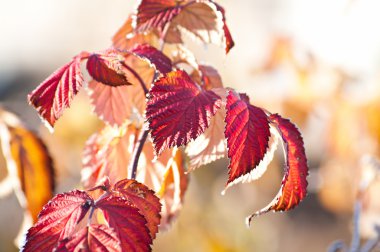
x=315, y=62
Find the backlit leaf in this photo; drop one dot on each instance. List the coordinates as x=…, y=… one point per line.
x=28, y=159
x=107, y=68
x=57, y=220
x=210, y=145
x=92, y=238
x=208, y=77
x=247, y=133
x=154, y=56
x=153, y=14
x=179, y=110
x=203, y=20
x=55, y=94
x=108, y=153
x=125, y=38
x=144, y=199
x=167, y=177
x=127, y=222
x=294, y=182
x=112, y=104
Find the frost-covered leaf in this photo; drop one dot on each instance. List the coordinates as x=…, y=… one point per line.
x=107, y=68
x=179, y=110
x=55, y=94
x=142, y=198
x=127, y=222
x=294, y=182
x=247, y=133
x=154, y=56
x=57, y=220
x=92, y=238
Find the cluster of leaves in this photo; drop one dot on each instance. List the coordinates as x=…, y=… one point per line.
x=139, y=88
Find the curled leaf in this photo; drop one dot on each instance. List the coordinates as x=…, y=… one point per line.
x=154, y=56
x=55, y=94
x=107, y=68
x=294, y=182
x=143, y=199
x=179, y=110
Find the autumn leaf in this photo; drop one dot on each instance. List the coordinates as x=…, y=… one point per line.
x=125, y=38
x=57, y=220
x=91, y=238
x=29, y=161
x=203, y=20
x=247, y=133
x=154, y=56
x=294, y=182
x=178, y=110
x=113, y=105
x=55, y=94
x=107, y=68
x=142, y=198
x=127, y=222
x=260, y=169
x=166, y=176
x=107, y=153
x=210, y=145
x=207, y=76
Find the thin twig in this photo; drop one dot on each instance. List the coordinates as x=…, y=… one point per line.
x=137, y=76
x=137, y=152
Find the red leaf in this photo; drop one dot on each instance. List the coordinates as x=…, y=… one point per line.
x=55, y=94
x=211, y=144
x=57, y=220
x=294, y=182
x=178, y=110
x=229, y=42
x=92, y=238
x=156, y=14
x=128, y=223
x=247, y=133
x=205, y=20
x=144, y=199
x=155, y=57
x=107, y=68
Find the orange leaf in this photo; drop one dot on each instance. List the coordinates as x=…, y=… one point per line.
x=28, y=159
x=167, y=177
x=107, y=153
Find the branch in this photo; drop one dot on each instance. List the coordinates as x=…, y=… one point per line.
x=137, y=152
x=137, y=76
